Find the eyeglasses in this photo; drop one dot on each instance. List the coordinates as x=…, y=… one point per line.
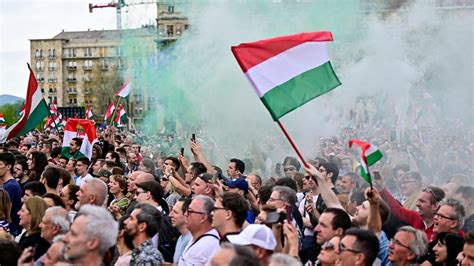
x=218, y=208
x=435, y=197
x=397, y=242
x=272, y=200
x=286, y=169
x=307, y=177
x=328, y=245
x=139, y=192
x=444, y=216
x=188, y=211
x=342, y=248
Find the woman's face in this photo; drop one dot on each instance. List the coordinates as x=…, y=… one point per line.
x=25, y=217
x=328, y=254
x=70, y=166
x=114, y=186
x=441, y=252
x=31, y=163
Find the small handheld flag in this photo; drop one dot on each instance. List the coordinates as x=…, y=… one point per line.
x=370, y=155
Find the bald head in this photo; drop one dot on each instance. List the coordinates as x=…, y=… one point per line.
x=132, y=180
x=144, y=178
x=98, y=189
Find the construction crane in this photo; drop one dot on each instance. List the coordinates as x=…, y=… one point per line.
x=121, y=3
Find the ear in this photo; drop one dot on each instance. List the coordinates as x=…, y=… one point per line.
x=56, y=229
x=142, y=227
x=92, y=198
x=411, y=257
x=93, y=243
x=339, y=231
x=360, y=259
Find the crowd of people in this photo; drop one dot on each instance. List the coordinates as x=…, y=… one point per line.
x=139, y=201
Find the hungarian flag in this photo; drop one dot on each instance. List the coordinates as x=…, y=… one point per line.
x=370, y=155
x=34, y=111
x=2, y=120
x=89, y=114
x=53, y=109
x=286, y=72
x=83, y=129
x=125, y=90
x=121, y=114
x=53, y=122
x=63, y=122
x=110, y=111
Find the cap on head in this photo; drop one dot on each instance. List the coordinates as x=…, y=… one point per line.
x=255, y=234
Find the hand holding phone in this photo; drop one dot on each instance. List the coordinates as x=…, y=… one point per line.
x=193, y=137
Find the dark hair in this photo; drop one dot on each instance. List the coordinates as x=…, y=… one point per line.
x=264, y=193
x=78, y=142
x=292, y=161
x=341, y=219
x=436, y=194
x=197, y=168
x=55, y=152
x=64, y=157
x=11, y=251
x=52, y=175
x=465, y=191
x=238, y=205
x=115, y=156
x=175, y=161
x=287, y=182
x=238, y=164
x=84, y=160
x=117, y=170
x=454, y=244
x=331, y=168
x=186, y=203
x=357, y=196
x=36, y=187
x=127, y=239
x=8, y=159
x=244, y=256
x=41, y=161
x=23, y=163
x=73, y=189
x=354, y=178
x=151, y=216
x=110, y=164
x=56, y=199
x=366, y=242
x=469, y=238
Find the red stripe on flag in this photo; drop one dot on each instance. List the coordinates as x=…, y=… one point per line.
x=32, y=86
x=251, y=54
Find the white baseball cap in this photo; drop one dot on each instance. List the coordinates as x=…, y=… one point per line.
x=255, y=234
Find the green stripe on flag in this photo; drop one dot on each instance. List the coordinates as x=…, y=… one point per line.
x=36, y=116
x=299, y=90
x=374, y=157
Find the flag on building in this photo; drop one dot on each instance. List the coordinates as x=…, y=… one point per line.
x=120, y=118
x=83, y=129
x=369, y=156
x=286, y=72
x=125, y=90
x=35, y=110
x=89, y=114
x=110, y=111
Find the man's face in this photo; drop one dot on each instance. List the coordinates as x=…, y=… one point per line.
x=73, y=146
x=253, y=180
x=64, y=194
x=23, y=149
x=347, y=252
x=399, y=248
x=83, y=194
x=177, y=216
x=109, y=157
x=444, y=221
x=18, y=171
x=196, y=215
x=219, y=215
x=232, y=170
x=76, y=239
x=96, y=167
x=324, y=228
x=425, y=208
x=54, y=254
x=168, y=166
x=324, y=172
x=131, y=185
x=4, y=169
x=346, y=184
x=28, y=194
x=199, y=187
x=223, y=257
x=141, y=196
x=132, y=159
x=362, y=214
x=131, y=223
x=468, y=255
x=62, y=163
x=135, y=148
x=276, y=201
x=81, y=168
x=47, y=227
x=289, y=170
x=54, y=144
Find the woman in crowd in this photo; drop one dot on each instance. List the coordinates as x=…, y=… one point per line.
x=69, y=197
x=118, y=187
x=70, y=167
x=37, y=161
x=5, y=209
x=96, y=154
x=447, y=248
x=30, y=215
x=328, y=254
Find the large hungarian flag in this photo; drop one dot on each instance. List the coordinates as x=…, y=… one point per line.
x=83, y=129
x=89, y=114
x=286, y=72
x=369, y=156
x=110, y=111
x=125, y=90
x=34, y=111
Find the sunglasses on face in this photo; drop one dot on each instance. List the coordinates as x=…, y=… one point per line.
x=328, y=245
x=286, y=169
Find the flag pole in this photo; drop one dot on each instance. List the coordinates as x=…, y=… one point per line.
x=292, y=143
x=113, y=113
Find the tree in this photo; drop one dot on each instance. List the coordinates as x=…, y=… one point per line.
x=11, y=112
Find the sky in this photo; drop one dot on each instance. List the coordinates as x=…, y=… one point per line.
x=22, y=20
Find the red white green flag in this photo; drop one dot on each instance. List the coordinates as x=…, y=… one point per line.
x=89, y=114
x=125, y=90
x=34, y=111
x=369, y=156
x=120, y=118
x=83, y=129
x=110, y=111
x=53, y=109
x=2, y=120
x=286, y=72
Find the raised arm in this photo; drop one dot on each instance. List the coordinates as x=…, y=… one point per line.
x=329, y=197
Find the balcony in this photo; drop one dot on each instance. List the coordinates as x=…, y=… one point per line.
x=69, y=55
x=53, y=92
x=72, y=92
x=52, y=57
x=87, y=68
x=52, y=68
x=72, y=67
x=39, y=56
x=40, y=80
x=71, y=80
x=72, y=104
x=52, y=80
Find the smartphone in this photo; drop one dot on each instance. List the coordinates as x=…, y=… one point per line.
x=182, y=151
x=289, y=214
x=278, y=168
x=275, y=217
x=377, y=175
x=193, y=137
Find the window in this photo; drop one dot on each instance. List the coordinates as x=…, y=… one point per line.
x=39, y=53
x=87, y=52
x=118, y=51
x=169, y=30
x=52, y=66
x=105, y=63
x=70, y=52
x=87, y=64
x=170, y=9
x=51, y=53
x=39, y=66
x=102, y=51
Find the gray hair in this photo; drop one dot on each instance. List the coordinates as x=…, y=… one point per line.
x=458, y=208
x=58, y=238
x=59, y=217
x=208, y=204
x=100, y=223
x=281, y=259
x=419, y=246
x=99, y=189
x=287, y=194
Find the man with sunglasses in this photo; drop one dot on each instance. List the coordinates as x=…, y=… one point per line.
x=291, y=166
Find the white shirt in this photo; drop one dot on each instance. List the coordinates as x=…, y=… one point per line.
x=304, y=214
x=199, y=253
x=81, y=180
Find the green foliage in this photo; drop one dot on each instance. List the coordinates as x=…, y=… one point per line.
x=11, y=112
